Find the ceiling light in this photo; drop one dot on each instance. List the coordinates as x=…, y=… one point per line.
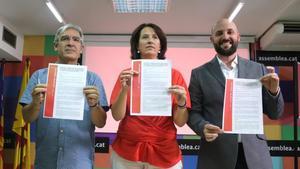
x=140, y=6
x=54, y=11
x=236, y=11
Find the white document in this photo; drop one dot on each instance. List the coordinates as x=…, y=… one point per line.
x=242, y=112
x=64, y=96
x=149, y=89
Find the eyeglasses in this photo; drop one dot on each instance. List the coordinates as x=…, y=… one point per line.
x=66, y=38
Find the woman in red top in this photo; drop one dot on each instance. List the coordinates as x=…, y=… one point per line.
x=148, y=141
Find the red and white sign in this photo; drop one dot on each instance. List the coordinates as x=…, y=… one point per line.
x=64, y=98
x=242, y=110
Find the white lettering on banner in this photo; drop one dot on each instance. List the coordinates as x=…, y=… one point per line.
x=100, y=145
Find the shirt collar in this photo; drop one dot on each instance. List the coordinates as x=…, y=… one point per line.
x=233, y=63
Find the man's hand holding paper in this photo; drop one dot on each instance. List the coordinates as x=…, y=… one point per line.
x=271, y=80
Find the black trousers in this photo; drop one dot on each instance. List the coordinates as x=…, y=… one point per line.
x=241, y=160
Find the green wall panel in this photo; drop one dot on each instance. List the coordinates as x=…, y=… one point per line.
x=287, y=132
x=49, y=51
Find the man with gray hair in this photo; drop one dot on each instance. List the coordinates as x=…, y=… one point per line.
x=60, y=143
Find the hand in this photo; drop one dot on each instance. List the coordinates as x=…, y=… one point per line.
x=271, y=80
x=38, y=93
x=211, y=132
x=92, y=95
x=125, y=77
x=180, y=94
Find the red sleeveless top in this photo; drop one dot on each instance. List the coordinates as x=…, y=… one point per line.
x=150, y=139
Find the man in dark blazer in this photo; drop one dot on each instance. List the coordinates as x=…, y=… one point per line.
x=229, y=151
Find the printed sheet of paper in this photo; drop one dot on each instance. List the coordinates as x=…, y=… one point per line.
x=242, y=112
x=149, y=89
x=64, y=98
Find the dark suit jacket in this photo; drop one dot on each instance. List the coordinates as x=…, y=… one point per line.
x=207, y=95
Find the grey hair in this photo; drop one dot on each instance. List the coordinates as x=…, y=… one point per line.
x=63, y=28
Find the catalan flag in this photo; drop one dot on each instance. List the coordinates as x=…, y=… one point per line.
x=1, y=115
x=22, y=129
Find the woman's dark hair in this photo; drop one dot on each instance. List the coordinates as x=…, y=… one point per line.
x=135, y=36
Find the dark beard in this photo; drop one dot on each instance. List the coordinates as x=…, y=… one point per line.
x=226, y=52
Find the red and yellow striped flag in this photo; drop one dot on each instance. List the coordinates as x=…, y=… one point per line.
x=22, y=129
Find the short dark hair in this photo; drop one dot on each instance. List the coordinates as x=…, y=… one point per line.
x=135, y=36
